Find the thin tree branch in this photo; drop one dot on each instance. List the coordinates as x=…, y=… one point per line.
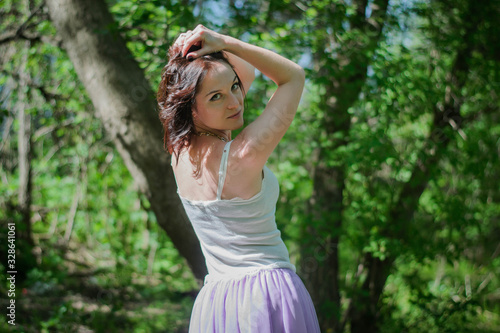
x=43, y=90
x=50, y=128
x=19, y=33
x=73, y=210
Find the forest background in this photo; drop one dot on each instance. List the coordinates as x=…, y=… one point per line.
x=389, y=205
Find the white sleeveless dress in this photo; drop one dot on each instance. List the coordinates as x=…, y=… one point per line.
x=251, y=285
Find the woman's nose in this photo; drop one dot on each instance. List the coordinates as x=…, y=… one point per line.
x=233, y=102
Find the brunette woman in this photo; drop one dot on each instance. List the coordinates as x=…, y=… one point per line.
x=227, y=190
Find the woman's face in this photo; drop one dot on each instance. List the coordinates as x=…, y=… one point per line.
x=219, y=102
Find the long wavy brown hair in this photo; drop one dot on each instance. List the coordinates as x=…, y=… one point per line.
x=180, y=82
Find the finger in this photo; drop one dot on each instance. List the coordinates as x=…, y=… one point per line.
x=200, y=53
x=197, y=37
x=199, y=28
x=180, y=39
x=190, y=41
x=183, y=36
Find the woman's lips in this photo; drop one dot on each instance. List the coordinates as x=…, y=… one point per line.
x=235, y=115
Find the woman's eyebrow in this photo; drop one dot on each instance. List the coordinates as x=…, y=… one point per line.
x=214, y=91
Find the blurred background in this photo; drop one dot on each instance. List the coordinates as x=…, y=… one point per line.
x=390, y=201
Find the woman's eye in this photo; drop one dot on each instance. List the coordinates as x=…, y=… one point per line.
x=235, y=86
x=215, y=97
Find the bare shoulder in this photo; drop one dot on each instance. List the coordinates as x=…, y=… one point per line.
x=244, y=172
x=197, y=171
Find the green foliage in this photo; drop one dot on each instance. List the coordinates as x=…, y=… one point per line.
x=390, y=122
x=78, y=175
x=445, y=275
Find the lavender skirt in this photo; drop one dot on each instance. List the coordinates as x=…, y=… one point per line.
x=270, y=300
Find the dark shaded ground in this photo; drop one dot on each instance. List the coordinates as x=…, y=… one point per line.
x=101, y=301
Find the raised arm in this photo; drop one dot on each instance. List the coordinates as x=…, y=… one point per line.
x=245, y=71
x=256, y=142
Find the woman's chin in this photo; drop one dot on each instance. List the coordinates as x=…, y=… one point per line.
x=238, y=124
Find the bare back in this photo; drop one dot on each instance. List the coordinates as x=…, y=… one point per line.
x=197, y=173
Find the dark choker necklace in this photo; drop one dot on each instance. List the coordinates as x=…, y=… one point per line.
x=212, y=134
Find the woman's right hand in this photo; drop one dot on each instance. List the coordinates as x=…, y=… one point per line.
x=209, y=42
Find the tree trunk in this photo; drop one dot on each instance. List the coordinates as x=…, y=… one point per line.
x=24, y=237
x=320, y=249
x=321, y=266
x=24, y=145
x=364, y=308
x=125, y=103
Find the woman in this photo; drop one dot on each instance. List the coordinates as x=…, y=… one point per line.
x=228, y=192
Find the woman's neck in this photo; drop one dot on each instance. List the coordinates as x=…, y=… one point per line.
x=224, y=135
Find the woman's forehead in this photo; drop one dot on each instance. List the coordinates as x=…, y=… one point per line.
x=219, y=75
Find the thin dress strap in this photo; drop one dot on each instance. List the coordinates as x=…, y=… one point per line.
x=223, y=169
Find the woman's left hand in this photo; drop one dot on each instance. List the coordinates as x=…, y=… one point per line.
x=209, y=41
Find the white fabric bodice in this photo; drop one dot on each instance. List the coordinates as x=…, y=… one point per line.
x=239, y=236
